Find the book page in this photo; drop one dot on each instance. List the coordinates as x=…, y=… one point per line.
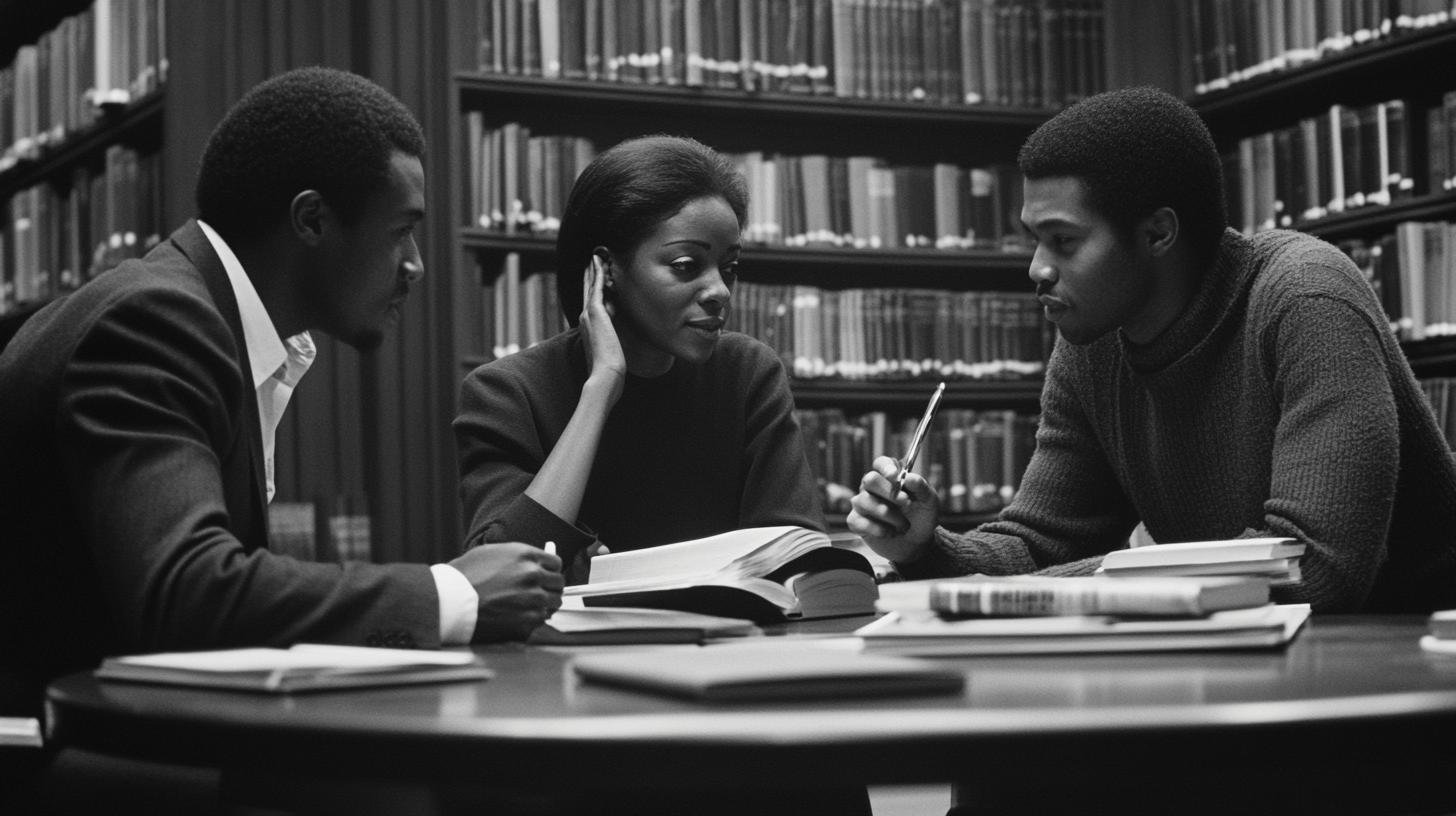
x=744, y=551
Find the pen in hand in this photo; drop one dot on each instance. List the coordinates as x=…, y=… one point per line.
x=918, y=439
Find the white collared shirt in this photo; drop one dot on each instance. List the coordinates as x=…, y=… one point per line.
x=277, y=366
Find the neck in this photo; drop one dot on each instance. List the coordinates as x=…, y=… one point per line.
x=1175, y=281
x=643, y=360
x=272, y=271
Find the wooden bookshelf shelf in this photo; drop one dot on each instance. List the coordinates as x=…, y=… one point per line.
x=137, y=123
x=1435, y=357
x=1417, y=63
x=739, y=119
x=827, y=266
x=1373, y=221
x=881, y=394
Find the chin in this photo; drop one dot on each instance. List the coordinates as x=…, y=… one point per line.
x=365, y=340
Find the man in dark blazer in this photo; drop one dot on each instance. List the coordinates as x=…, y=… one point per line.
x=137, y=413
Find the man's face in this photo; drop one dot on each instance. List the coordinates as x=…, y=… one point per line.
x=1089, y=279
x=370, y=264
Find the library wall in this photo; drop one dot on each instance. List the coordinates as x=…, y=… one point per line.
x=879, y=138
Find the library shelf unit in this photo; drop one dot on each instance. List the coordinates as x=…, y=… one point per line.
x=1415, y=66
x=137, y=124
x=736, y=121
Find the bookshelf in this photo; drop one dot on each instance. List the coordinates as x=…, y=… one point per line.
x=1381, y=56
x=503, y=79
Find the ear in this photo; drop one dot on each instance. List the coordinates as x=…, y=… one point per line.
x=607, y=264
x=1159, y=231
x=306, y=216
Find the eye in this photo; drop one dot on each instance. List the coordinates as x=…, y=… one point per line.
x=729, y=273
x=1062, y=244
x=684, y=266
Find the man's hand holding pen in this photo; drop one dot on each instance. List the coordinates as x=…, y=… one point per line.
x=896, y=510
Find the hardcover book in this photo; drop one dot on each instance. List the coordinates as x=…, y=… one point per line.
x=927, y=634
x=1032, y=595
x=724, y=673
x=760, y=573
x=303, y=667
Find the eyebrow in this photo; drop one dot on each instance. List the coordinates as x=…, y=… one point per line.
x=704, y=244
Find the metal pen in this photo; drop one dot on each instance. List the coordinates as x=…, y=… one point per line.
x=918, y=439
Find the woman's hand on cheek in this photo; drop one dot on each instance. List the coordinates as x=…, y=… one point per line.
x=604, y=348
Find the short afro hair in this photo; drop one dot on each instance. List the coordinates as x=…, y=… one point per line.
x=1136, y=149
x=627, y=191
x=307, y=129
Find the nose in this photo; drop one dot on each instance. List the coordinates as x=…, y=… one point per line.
x=1041, y=271
x=716, y=292
x=412, y=270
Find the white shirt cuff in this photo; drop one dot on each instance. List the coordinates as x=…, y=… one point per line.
x=459, y=603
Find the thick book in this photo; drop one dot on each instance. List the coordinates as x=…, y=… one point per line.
x=618, y=625
x=1203, y=552
x=304, y=667
x=725, y=673
x=926, y=634
x=1441, y=636
x=1033, y=595
x=763, y=574
x=1442, y=624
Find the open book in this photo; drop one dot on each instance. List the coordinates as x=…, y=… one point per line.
x=764, y=574
x=304, y=667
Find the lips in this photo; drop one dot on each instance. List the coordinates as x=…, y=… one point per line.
x=707, y=324
x=1052, y=303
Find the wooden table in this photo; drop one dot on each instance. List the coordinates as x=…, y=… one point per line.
x=1353, y=702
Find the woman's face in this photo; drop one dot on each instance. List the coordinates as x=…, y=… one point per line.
x=671, y=291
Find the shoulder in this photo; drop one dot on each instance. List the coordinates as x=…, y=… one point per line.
x=742, y=351
x=546, y=365
x=1287, y=266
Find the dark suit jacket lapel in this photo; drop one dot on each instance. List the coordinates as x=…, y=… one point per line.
x=193, y=243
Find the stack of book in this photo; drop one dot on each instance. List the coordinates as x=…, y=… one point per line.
x=1027, y=614
x=1274, y=559
x=1441, y=634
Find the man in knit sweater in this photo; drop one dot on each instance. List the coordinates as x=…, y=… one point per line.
x=1205, y=384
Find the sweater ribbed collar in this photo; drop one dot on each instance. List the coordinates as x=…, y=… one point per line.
x=1217, y=297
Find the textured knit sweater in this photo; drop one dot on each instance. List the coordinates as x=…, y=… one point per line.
x=1278, y=403
x=700, y=450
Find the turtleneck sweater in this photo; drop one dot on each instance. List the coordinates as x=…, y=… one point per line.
x=1279, y=403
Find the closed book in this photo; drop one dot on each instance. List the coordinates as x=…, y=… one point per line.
x=727, y=673
x=609, y=625
x=1272, y=567
x=927, y=634
x=1443, y=624
x=1028, y=595
x=1203, y=552
x=763, y=574
x=303, y=667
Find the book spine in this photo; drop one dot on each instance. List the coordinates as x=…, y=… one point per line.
x=1035, y=600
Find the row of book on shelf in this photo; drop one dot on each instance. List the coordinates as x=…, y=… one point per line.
x=973, y=459
x=1413, y=270
x=518, y=183
x=853, y=334
x=1441, y=391
x=54, y=238
x=112, y=53
x=1023, y=53
x=337, y=531
x=1347, y=158
x=1231, y=41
